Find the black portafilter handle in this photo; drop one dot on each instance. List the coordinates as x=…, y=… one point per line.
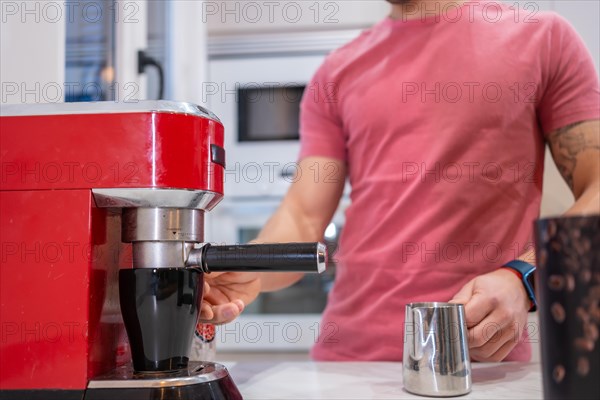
x=280, y=257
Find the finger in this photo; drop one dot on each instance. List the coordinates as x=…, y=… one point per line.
x=477, y=308
x=504, y=351
x=225, y=313
x=231, y=277
x=213, y=275
x=217, y=296
x=485, y=342
x=206, y=289
x=489, y=336
x=206, y=312
x=221, y=294
x=464, y=294
x=499, y=355
x=240, y=305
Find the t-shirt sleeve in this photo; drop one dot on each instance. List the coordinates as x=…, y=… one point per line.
x=572, y=92
x=321, y=128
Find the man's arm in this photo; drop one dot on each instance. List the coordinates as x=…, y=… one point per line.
x=302, y=217
x=498, y=298
x=305, y=212
x=575, y=150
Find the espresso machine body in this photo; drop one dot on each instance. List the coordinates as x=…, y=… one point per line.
x=89, y=190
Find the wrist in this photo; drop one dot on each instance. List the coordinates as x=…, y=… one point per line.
x=524, y=272
x=518, y=281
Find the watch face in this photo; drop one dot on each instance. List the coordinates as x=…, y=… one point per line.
x=528, y=276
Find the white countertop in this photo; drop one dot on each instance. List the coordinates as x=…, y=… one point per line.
x=372, y=380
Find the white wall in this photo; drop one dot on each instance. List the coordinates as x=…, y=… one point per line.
x=32, y=51
x=187, y=51
x=585, y=17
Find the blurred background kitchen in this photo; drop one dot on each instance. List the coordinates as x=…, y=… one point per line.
x=249, y=62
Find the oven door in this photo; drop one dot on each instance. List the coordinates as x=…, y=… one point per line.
x=288, y=319
x=258, y=101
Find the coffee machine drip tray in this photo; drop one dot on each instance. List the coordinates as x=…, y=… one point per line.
x=200, y=381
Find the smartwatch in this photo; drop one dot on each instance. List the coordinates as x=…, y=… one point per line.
x=525, y=270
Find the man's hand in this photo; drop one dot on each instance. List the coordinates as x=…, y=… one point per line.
x=496, y=307
x=226, y=294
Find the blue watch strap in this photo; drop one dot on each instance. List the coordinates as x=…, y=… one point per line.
x=526, y=270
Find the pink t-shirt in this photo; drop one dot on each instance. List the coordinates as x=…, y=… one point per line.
x=441, y=122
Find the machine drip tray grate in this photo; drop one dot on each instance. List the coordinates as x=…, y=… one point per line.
x=126, y=377
x=198, y=369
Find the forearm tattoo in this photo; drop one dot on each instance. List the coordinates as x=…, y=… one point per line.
x=566, y=144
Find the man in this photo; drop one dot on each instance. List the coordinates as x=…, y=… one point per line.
x=439, y=122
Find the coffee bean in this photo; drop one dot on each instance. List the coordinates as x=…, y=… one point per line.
x=582, y=315
x=583, y=366
x=590, y=331
x=584, y=344
x=570, y=281
x=556, y=282
x=585, y=276
x=558, y=312
x=552, y=228
x=594, y=313
x=572, y=264
x=543, y=258
x=563, y=239
x=559, y=373
x=586, y=244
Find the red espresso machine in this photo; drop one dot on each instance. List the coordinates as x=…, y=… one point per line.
x=103, y=252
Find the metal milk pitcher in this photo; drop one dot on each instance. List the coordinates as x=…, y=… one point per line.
x=436, y=353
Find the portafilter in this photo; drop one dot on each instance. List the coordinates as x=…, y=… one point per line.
x=161, y=296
